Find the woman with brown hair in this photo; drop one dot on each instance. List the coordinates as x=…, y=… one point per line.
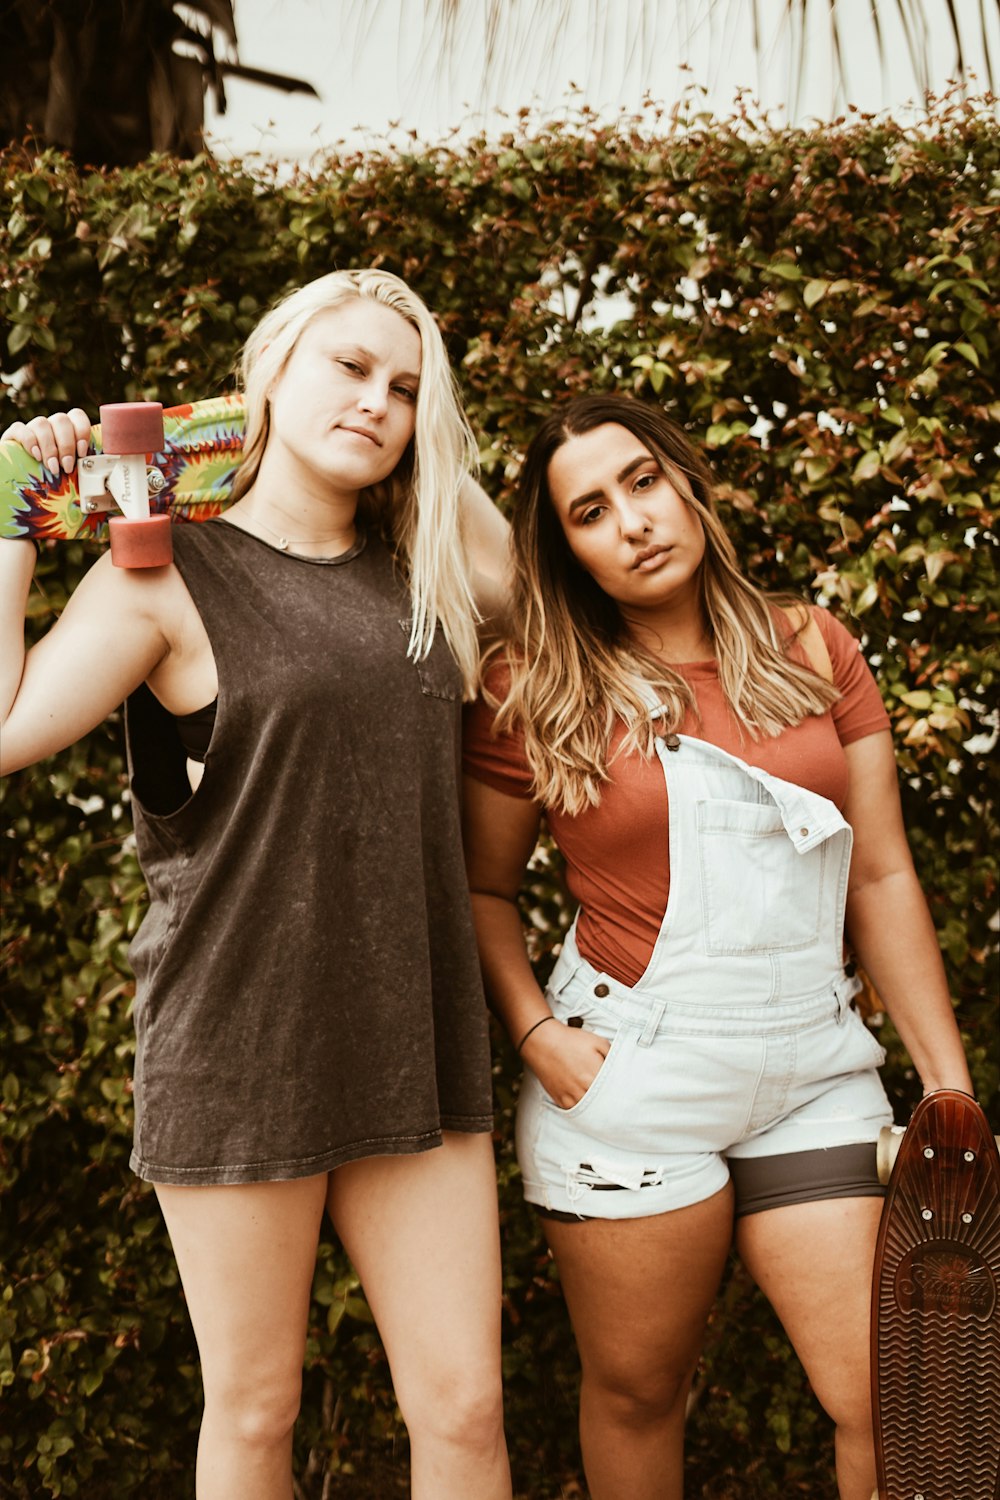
x=706, y=757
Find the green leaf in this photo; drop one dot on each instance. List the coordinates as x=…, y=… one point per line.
x=19, y=336
x=868, y=596
x=38, y=189
x=658, y=376
x=867, y=466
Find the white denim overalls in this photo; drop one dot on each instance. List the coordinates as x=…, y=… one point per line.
x=739, y=1039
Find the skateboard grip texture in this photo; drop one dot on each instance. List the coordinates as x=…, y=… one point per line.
x=936, y=1309
x=132, y=427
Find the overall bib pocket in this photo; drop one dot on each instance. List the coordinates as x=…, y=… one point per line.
x=759, y=895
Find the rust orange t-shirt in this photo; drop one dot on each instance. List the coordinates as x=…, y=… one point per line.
x=617, y=862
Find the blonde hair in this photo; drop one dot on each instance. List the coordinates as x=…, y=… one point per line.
x=417, y=506
x=575, y=671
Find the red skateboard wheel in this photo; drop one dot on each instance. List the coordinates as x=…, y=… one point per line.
x=132, y=427
x=145, y=542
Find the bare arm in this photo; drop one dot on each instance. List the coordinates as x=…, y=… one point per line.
x=889, y=925
x=119, y=629
x=107, y=641
x=487, y=538
x=500, y=834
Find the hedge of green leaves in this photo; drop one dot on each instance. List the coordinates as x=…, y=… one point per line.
x=820, y=308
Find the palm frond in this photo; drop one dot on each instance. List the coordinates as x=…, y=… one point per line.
x=488, y=47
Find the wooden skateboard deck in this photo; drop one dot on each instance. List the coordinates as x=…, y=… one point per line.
x=203, y=446
x=936, y=1309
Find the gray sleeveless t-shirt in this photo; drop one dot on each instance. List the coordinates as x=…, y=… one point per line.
x=308, y=990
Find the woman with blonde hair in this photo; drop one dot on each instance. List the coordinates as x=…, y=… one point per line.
x=311, y=1032
x=705, y=757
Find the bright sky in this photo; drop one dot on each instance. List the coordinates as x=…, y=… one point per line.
x=380, y=62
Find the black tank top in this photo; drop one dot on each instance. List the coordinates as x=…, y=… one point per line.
x=308, y=990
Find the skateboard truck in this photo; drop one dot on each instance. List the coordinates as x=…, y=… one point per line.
x=197, y=455
x=118, y=477
x=889, y=1141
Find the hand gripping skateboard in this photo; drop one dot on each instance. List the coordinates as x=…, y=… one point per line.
x=150, y=467
x=936, y=1307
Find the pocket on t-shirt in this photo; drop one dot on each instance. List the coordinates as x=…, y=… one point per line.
x=438, y=671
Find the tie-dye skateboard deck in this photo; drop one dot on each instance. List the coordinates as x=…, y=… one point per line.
x=936, y=1309
x=189, y=478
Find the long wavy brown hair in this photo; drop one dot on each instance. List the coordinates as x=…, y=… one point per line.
x=575, y=669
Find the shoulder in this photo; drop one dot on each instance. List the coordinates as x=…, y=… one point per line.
x=142, y=590
x=860, y=711
x=844, y=648
x=496, y=678
x=826, y=642
x=487, y=541
x=194, y=538
x=804, y=628
x=496, y=757
x=136, y=601
x=494, y=689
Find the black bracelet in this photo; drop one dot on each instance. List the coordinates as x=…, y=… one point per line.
x=530, y=1030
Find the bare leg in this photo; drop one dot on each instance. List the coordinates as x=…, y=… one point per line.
x=246, y=1256
x=422, y=1232
x=639, y=1292
x=813, y=1261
